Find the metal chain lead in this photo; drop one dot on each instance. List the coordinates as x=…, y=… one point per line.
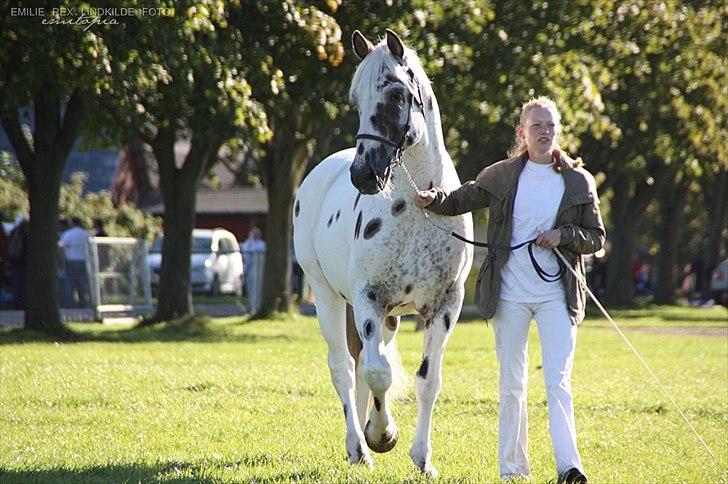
x=411, y=181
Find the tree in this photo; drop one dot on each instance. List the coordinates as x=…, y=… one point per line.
x=661, y=92
x=57, y=71
x=302, y=89
x=180, y=77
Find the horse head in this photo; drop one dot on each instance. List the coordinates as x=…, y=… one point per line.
x=387, y=90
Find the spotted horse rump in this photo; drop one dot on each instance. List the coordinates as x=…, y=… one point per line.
x=371, y=256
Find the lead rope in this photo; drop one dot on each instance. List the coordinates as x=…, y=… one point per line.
x=539, y=270
x=634, y=350
x=564, y=264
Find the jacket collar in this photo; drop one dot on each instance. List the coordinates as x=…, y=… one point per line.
x=500, y=182
x=503, y=180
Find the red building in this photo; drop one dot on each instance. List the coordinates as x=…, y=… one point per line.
x=233, y=209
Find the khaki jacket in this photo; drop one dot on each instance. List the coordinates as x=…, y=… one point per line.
x=578, y=218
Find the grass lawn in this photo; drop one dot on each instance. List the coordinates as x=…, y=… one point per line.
x=233, y=401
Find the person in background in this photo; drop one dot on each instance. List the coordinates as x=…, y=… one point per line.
x=253, y=260
x=61, y=270
x=99, y=228
x=18, y=259
x=543, y=195
x=3, y=256
x=74, y=243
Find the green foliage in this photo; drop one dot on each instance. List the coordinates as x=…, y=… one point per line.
x=13, y=200
x=40, y=57
x=254, y=402
x=183, y=71
x=123, y=221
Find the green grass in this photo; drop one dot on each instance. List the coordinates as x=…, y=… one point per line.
x=231, y=401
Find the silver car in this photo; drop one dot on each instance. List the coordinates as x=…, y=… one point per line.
x=216, y=265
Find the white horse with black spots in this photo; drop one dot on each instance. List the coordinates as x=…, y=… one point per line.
x=371, y=256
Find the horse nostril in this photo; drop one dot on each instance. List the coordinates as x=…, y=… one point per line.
x=371, y=174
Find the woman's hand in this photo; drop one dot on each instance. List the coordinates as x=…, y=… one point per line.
x=424, y=198
x=549, y=239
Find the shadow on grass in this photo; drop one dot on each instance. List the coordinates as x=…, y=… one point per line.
x=168, y=472
x=175, y=472
x=194, y=329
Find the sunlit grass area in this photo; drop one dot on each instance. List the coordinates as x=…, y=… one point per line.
x=227, y=401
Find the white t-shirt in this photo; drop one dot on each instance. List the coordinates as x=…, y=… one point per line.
x=74, y=242
x=538, y=197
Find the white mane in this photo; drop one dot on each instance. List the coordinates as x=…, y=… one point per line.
x=365, y=84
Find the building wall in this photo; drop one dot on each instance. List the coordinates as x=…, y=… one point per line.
x=238, y=224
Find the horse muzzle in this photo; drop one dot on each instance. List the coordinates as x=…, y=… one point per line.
x=366, y=178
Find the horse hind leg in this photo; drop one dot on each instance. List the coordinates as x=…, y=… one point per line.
x=355, y=346
x=331, y=312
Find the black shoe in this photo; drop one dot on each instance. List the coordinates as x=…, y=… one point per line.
x=572, y=476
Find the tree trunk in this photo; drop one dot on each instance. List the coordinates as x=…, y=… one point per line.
x=42, y=164
x=174, y=299
x=716, y=200
x=670, y=202
x=179, y=192
x=41, y=280
x=620, y=288
x=284, y=168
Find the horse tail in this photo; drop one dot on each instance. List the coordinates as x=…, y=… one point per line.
x=400, y=379
x=353, y=341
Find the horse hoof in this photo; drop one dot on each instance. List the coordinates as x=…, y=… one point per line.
x=381, y=443
x=429, y=471
x=361, y=457
x=423, y=465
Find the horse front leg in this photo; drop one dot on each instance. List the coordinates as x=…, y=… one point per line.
x=331, y=312
x=428, y=379
x=380, y=431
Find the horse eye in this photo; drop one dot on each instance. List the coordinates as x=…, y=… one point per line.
x=395, y=97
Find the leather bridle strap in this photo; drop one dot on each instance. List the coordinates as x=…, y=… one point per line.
x=378, y=138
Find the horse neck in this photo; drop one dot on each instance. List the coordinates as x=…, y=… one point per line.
x=428, y=161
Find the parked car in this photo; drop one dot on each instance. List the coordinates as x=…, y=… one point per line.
x=216, y=265
x=719, y=283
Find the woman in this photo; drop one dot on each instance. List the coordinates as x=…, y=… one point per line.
x=538, y=193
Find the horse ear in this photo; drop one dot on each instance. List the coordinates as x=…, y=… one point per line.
x=362, y=46
x=396, y=47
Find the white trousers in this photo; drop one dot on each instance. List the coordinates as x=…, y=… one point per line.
x=558, y=341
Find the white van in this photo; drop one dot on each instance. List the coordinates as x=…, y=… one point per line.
x=216, y=265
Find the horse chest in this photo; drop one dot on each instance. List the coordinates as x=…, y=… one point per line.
x=404, y=250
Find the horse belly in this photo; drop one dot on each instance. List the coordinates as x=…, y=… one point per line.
x=333, y=233
x=310, y=211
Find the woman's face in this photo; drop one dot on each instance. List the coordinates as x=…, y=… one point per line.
x=540, y=130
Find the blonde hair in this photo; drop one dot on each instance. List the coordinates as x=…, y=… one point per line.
x=519, y=144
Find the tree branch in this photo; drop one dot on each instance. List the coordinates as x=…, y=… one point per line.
x=71, y=125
